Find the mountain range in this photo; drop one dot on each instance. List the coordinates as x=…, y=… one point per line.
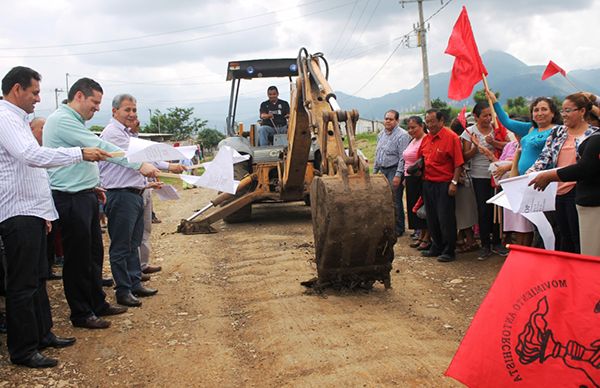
x=507, y=75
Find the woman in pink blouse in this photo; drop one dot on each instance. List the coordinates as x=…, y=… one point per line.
x=413, y=183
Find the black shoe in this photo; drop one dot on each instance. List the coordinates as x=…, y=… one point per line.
x=112, y=310
x=144, y=291
x=107, y=282
x=429, y=253
x=38, y=360
x=92, y=322
x=129, y=300
x=56, y=342
x=445, y=258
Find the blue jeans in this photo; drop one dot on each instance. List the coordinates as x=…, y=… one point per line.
x=390, y=173
x=264, y=131
x=125, y=212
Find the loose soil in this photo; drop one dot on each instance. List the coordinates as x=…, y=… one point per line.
x=231, y=312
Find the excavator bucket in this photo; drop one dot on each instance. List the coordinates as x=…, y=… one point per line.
x=353, y=225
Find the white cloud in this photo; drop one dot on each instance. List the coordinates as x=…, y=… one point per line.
x=195, y=39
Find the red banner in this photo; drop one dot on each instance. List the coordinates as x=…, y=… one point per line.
x=538, y=326
x=468, y=69
x=552, y=69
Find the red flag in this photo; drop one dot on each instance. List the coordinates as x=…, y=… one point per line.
x=552, y=69
x=462, y=116
x=468, y=67
x=538, y=326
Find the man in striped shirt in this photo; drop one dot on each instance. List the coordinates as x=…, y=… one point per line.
x=26, y=210
x=391, y=143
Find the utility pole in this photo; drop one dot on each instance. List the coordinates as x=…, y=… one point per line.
x=421, y=31
x=56, y=91
x=423, y=43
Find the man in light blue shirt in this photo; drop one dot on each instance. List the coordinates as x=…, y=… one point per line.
x=76, y=199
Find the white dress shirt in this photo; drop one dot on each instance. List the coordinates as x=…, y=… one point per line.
x=24, y=187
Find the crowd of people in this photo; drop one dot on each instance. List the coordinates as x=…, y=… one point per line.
x=57, y=178
x=451, y=172
x=56, y=175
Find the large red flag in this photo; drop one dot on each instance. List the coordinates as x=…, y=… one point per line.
x=538, y=326
x=468, y=67
x=552, y=69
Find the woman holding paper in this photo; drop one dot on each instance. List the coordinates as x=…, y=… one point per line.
x=560, y=150
x=587, y=196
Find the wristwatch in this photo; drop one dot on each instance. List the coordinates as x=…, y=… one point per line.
x=455, y=183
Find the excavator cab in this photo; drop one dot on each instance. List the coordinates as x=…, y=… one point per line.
x=352, y=211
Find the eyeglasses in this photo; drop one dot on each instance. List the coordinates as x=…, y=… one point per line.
x=389, y=118
x=568, y=110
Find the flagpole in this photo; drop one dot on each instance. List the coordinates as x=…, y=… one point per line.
x=572, y=84
x=487, y=89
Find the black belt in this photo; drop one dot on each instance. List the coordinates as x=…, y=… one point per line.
x=393, y=165
x=133, y=190
x=86, y=191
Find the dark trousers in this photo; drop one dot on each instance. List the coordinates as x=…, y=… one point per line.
x=51, y=245
x=485, y=212
x=441, y=220
x=568, y=222
x=28, y=316
x=390, y=173
x=84, y=253
x=125, y=212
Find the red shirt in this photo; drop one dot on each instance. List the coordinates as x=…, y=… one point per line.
x=443, y=154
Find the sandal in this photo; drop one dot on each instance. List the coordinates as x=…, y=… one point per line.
x=415, y=243
x=424, y=246
x=465, y=248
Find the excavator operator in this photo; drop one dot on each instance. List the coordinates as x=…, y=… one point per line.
x=274, y=114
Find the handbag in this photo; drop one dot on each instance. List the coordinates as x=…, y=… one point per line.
x=416, y=168
x=421, y=212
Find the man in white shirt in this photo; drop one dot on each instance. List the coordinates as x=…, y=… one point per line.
x=26, y=210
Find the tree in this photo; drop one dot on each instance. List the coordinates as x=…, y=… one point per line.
x=480, y=96
x=97, y=128
x=209, y=138
x=448, y=111
x=442, y=106
x=177, y=121
x=517, y=106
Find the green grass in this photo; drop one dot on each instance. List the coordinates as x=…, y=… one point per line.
x=367, y=143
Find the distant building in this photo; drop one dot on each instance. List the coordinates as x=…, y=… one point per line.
x=366, y=126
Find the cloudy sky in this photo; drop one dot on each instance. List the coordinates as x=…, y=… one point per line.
x=174, y=53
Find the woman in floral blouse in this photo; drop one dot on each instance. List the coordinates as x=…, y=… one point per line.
x=560, y=150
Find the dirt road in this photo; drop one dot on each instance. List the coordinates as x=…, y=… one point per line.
x=231, y=312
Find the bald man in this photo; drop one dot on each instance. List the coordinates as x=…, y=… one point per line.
x=37, y=127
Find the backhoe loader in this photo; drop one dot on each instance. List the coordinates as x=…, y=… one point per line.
x=317, y=162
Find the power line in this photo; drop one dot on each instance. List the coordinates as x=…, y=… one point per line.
x=335, y=46
x=378, y=70
x=366, y=26
x=354, y=29
x=404, y=40
x=158, y=33
x=178, y=41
